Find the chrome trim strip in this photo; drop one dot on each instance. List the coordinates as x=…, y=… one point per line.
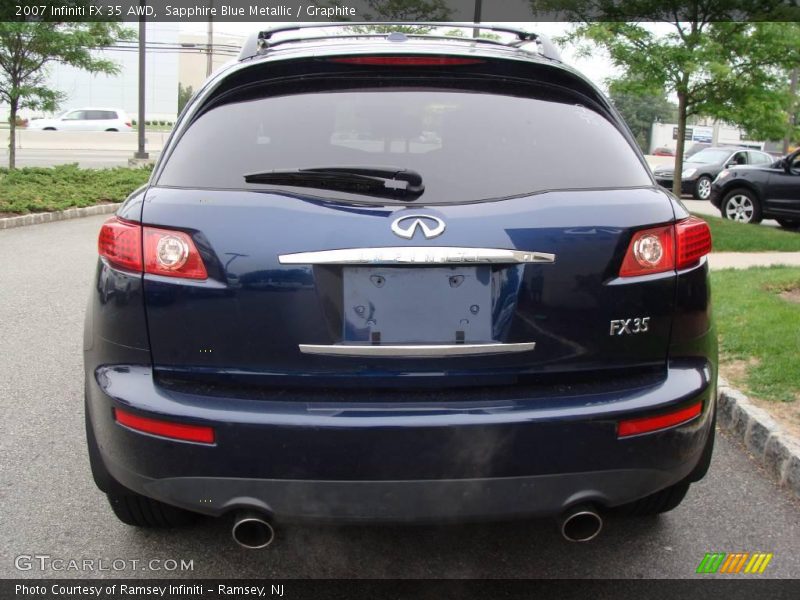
x=427, y=255
x=415, y=351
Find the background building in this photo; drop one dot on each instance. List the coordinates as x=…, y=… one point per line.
x=665, y=135
x=121, y=91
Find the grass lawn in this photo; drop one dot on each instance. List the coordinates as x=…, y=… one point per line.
x=758, y=320
x=33, y=189
x=730, y=236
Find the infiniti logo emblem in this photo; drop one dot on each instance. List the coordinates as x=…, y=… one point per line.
x=407, y=226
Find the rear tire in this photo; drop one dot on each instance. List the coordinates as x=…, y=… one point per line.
x=49, y=129
x=669, y=498
x=788, y=223
x=741, y=205
x=655, y=504
x=111, y=130
x=129, y=507
x=139, y=511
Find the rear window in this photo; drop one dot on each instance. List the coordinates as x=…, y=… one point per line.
x=466, y=145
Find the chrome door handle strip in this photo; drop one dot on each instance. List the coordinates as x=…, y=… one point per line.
x=415, y=350
x=427, y=255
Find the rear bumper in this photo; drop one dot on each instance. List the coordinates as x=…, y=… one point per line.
x=297, y=460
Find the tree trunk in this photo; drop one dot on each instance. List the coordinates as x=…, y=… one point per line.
x=12, y=134
x=680, y=145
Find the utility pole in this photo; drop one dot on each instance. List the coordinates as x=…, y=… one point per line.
x=477, y=19
x=140, y=153
x=210, y=44
x=787, y=140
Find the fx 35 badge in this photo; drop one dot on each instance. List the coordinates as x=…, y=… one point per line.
x=629, y=326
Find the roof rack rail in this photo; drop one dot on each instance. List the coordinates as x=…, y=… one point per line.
x=260, y=42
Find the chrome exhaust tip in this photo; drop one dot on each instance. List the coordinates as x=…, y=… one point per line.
x=581, y=524
x=252, y=530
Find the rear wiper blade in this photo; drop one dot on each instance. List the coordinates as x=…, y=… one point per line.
x=388, y=182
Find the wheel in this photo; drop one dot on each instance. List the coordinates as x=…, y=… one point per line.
x=704, y=463
x=741, y=205
x=139, y=511
x=667, y=499
x=49, y=129
x=654, y=504
x=702, y=188
x=129, y=507
x=111, y=129
x=788, y=223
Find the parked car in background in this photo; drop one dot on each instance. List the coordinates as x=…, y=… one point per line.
x=694, y=149
x=85, y=119
x=663, y=151
x=751, y=193
x=366, y=282
x=701, y=169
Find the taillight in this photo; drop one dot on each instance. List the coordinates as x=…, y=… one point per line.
x=693, y=241
x=166, y=252
x=667, y=248
x=172, y=253
x=128, y=123
x=120, y=243
x=406, y=61
x=650, y=251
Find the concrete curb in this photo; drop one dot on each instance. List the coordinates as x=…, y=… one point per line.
x=778, y=451
x=61, y=215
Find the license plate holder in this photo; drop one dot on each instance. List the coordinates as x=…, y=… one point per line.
x=417, y=305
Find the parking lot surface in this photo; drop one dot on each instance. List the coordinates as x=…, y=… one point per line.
x=49, y=505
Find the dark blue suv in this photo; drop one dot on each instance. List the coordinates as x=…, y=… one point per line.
x=375, y=277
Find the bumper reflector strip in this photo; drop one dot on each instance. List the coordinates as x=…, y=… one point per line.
x=647, y=424
x=167, y=429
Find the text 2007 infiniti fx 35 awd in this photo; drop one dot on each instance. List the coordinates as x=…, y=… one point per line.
x=374, y=279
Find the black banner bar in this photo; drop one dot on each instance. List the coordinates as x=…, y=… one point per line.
x=335, y=589
x=424, y=10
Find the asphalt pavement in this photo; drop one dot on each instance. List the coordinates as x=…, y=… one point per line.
x=49, y=505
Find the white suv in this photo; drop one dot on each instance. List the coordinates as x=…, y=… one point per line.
x=86, y=119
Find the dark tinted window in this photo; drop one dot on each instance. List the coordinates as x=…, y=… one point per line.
x=466, y=145
x=100, y=115
x=740, y=158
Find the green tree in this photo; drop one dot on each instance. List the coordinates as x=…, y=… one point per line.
x=184, y=94
x=713, y=64
x=26, y=48
x=766, y=110
x=640, y=110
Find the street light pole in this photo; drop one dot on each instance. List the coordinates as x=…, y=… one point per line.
x=210, y=44
x=787, y=140
x=140, y=153
x=477, y=19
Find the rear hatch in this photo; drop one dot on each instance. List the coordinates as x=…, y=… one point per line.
x=400, y=224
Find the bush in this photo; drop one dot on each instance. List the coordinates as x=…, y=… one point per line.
x=36, y=189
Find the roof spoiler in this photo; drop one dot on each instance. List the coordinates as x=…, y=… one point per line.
x=260, y=42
